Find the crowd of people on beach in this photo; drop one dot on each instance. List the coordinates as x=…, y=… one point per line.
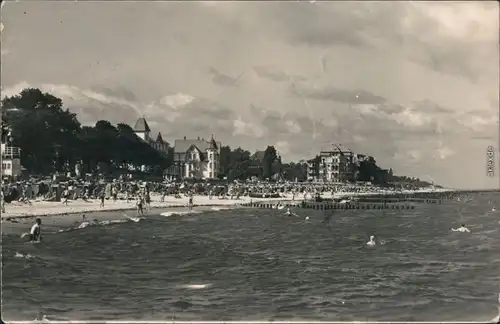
x=124, y=189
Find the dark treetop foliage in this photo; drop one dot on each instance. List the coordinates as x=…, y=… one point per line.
x=51, y=138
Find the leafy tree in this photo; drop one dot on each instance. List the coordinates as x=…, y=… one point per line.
x=41, y=128
x=235, y=164
x=51, y=138
x=367, y=169
x=239, y=164
x=295, y=171
x=270, y=157
x=225, y=161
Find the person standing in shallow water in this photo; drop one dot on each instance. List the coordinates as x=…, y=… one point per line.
x=36, y=231
x=147, y=199
x=140, y=206
x=102, y=199
x=190, y=202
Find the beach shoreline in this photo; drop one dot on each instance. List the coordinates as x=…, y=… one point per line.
x=54, y=223
x=43, y=208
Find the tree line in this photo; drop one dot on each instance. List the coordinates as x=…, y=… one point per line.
x=240, y=164
x=52, y=139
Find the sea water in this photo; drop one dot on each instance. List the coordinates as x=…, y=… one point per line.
x=254, y=264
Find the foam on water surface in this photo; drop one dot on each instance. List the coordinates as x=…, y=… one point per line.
x=180, y=213
x=196, y=286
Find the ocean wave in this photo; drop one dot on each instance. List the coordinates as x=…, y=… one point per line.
x=180, y=213
x=221, y=208
x=23, y=256
x=95, y=223
x=195, y=286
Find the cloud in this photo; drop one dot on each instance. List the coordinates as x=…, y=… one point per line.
x=283, y=147
x=382, y=78
x=271, y=73
x=247, y=129
x=477, y=121
x=177, y=101
x=312, y=24
x=336, y=94
x=390, y=108
x=444, y=152
x=223, y=79
x=117, y=92
x=408, y=156
x=454, y=39
x=175, y=115
x=293, y=126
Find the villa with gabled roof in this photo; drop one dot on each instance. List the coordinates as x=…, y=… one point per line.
x=193, y=158
x=196, y=158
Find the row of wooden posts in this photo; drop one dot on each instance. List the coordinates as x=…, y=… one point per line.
x=333, y=206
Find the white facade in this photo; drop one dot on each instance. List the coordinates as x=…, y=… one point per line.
x=201, y=165
x=11, y=161
x=196, y=159
x=330, y=166
x=143, y=135
x=335, y=165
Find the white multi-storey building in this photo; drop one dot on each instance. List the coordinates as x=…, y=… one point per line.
x=336, y=164
x=196, y=159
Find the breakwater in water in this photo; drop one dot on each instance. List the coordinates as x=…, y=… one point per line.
x=389, y=200
x=331, y=206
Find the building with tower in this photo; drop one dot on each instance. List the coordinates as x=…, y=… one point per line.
x=196, y=159
x=143, y=131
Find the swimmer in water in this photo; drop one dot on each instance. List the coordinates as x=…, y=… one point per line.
x=327, y=218
x=462, y=229
x=371, y=242
x=36, y=231
x=288, y=212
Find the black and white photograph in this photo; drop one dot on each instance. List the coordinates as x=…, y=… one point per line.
x=250, y=161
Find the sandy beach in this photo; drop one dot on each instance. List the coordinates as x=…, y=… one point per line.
x=45, y=208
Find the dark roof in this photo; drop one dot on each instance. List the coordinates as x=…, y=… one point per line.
x=142, y=125
x=182, y=145
x=213, y=144
x=159, y=138
x=335, y=150
x=258, y=155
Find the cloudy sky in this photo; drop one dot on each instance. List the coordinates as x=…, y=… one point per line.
x=416, y=85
